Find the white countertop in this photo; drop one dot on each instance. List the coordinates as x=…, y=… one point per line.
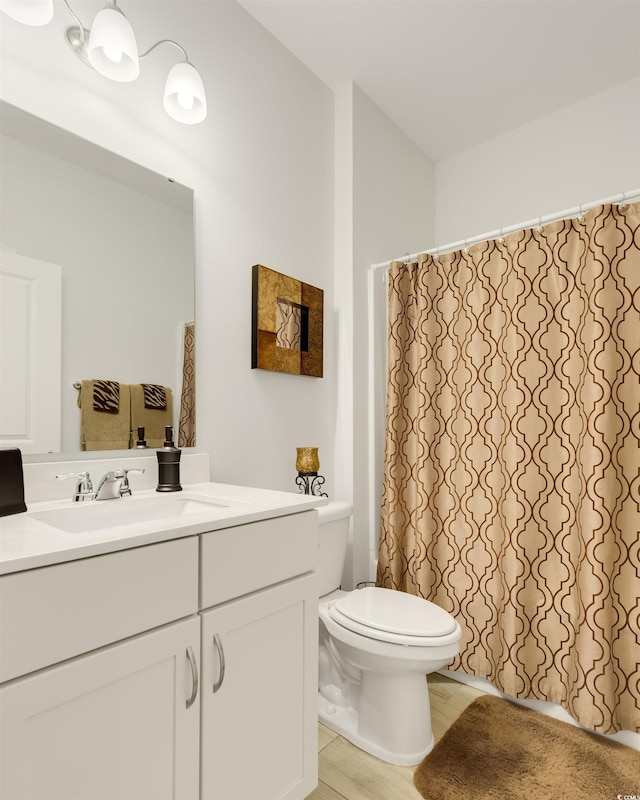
x=27, y=542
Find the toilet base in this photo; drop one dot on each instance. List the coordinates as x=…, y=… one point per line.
x=345, y=722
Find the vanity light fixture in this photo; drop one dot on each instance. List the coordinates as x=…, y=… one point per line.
x=33, y=12
x=110, y=48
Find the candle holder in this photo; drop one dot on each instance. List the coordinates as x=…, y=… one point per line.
x=308, y=464
x=311, y=483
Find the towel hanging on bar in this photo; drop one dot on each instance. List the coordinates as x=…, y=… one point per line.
x=100, y=431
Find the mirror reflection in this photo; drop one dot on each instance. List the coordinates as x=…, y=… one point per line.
x=97, y=284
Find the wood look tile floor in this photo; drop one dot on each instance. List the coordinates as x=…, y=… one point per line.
x=348, y=773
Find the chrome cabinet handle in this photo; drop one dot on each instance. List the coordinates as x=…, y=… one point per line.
x=217, y=644
x=194, y=678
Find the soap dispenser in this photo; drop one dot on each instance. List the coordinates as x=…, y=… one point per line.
x=141, y=443
x=168, y=464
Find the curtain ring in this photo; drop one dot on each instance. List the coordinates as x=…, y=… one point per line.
x=622, y=205
x=500, y=238
x=580, y=214
x=539, y=228
x=466, y=247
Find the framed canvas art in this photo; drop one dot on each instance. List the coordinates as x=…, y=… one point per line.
x=287, y=319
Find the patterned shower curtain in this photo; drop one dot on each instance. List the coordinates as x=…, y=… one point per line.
x=511, y=492
x=187, y=421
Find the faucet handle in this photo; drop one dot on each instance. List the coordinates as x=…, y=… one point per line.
x=121, y=472
x=84, y=487
x=125, y=489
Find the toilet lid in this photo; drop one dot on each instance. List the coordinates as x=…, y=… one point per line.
x=387, y=610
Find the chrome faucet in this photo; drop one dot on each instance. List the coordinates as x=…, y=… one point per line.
x=115, y=483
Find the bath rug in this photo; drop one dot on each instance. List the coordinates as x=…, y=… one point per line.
x=498, y=750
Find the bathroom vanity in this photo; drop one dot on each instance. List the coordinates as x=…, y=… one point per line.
x=163, y=658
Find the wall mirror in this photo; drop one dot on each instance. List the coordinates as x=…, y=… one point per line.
x=123, y=239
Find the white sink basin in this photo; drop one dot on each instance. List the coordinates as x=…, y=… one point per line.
x=96, y=515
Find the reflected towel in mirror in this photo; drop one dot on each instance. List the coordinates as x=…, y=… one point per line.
x=100, y=431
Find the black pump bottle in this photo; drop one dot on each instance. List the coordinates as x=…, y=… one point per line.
x=168, y=464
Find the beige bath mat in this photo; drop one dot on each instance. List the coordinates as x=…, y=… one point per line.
x=498, y=750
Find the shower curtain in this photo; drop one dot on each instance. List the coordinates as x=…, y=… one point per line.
x=187, y=421
x=511, y=492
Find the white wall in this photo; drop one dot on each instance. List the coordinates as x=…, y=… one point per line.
x=343, y=282
x=261, y=166
x=584, y=153
x=392, y=211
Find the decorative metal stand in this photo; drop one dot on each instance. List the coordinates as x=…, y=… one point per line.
x=310, y=483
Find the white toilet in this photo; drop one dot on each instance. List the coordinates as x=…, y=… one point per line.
x=376, y=647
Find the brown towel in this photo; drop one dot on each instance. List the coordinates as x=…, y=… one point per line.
x=154, y=420
x=100, y=431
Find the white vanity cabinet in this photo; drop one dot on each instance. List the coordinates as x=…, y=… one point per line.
x=177, y=670
x=259, y=661
x=121, y=721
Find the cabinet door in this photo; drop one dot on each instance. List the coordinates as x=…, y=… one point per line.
x=111, y=725
x=259, y=728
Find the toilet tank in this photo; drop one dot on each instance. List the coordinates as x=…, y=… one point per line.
x=333, y=534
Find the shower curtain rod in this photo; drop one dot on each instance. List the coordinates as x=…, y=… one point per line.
x=621, y=198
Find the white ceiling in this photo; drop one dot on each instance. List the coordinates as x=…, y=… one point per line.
x=455, y=73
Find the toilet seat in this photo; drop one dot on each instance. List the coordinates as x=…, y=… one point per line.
x=392, y=616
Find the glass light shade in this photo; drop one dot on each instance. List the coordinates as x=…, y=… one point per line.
x=184, y=97
x=112, y=47
x=29, y=12
x=307, y=459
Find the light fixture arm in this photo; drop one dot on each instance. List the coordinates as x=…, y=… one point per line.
x=77, y=36
x=163, y=41
x=75, y=16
